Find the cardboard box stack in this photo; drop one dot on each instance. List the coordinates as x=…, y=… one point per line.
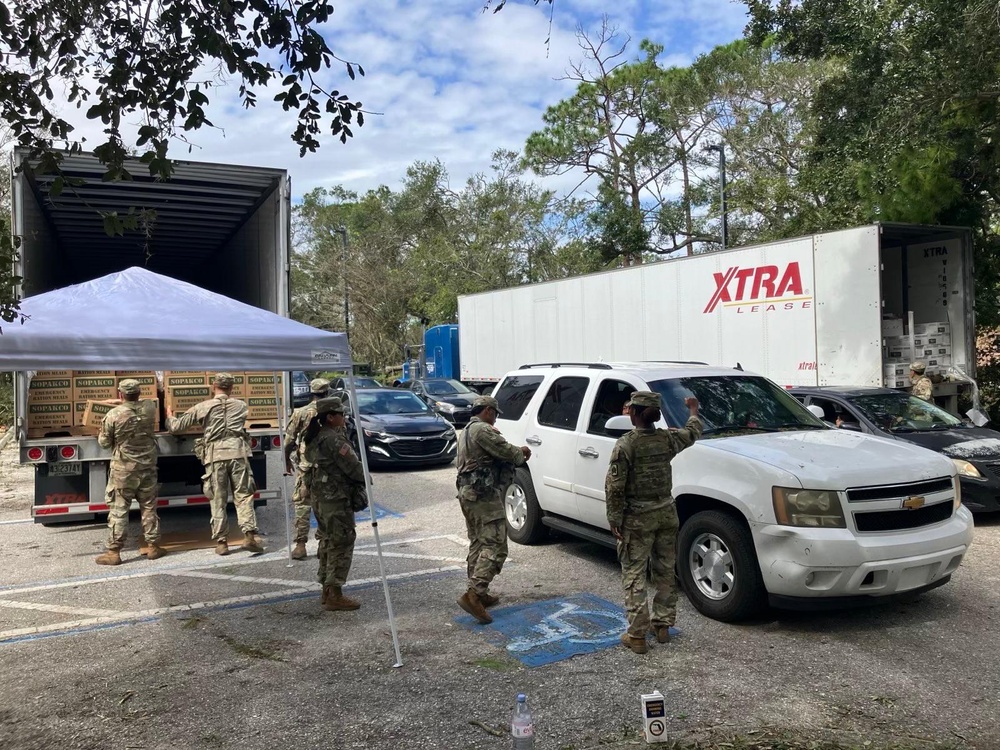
x=931, y=344
x=50, y=403
x=260, y=398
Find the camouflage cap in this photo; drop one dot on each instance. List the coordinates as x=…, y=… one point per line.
x=129, y=386
x=224, y=379
x=645, y=399
x=329, y=406
x=482, y=402
x=319, y=385
x=918, y=367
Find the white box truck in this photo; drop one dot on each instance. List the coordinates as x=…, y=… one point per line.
x=222, y=227
x=851, y=307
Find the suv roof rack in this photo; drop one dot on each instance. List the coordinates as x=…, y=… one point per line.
x=675, y=362
x=589, y=365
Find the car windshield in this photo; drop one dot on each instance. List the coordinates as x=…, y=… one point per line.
x=901, y=412
x=734, y=404
x=390, y=402
x=444, y=387
x=367, y=383
x=300, y=378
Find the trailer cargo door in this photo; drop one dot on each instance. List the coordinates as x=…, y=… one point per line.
x=848, y=308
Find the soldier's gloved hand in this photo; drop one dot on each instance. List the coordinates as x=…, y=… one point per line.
x=526, y=452
x=288, y=468
x=617, y=532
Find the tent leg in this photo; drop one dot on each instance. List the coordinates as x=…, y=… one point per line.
x=371, y=509
x=285, y=502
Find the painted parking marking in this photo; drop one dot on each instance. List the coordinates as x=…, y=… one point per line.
x=363, y=516
x=59, y=609
x=545, y=632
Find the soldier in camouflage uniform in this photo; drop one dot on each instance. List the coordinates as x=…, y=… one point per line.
x=297, y=424
x=127, y=431
x=336, y=484
x=483, y=457
x=643, y=517
x=227, y=461
x=922, y=388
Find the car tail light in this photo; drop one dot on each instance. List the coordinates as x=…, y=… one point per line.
x=35, y=454
x=275, y=442
x=254, y=443
x=68, y=452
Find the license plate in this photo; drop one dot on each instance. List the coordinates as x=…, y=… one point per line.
x=71, y=469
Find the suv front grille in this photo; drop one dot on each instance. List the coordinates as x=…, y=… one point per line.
x=895, y=520
x=894, y=491
x=419, y=448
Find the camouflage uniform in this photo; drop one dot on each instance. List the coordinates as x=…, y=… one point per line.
x=294, y=433
x=639, y=504
x=482, y=452
x=335, y=477
x=227, y=459
x=922, y=388
x=127, y=431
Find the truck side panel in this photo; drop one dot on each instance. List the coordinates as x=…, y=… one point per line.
x=848, y=308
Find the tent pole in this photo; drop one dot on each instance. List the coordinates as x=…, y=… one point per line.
x=371, y=509
x=282, y=424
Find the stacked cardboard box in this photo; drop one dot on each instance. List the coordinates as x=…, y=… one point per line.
x=96, y=411
x=148, y=384
x=260, y=398
x=50, y=403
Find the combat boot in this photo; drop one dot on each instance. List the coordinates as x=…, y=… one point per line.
x=471, y=603
x=336, y=601
x=252, y=543
x=222, y=547
x=111, y=557
x=324, y=595
x=489, y=600
x=662, y=633
x=636, y=645
x=299, y=551
x=155, y=551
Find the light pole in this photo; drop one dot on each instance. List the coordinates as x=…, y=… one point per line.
x=342, y=231
x=721, y=148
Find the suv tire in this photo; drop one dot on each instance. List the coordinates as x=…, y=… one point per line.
x=521, y=511
x=732, y=589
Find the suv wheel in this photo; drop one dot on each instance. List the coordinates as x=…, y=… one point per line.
x=520, y=507
x=718, y=567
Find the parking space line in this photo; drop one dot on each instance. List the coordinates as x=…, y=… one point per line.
x=239, y=579
x=300, y=590
x=59, y=609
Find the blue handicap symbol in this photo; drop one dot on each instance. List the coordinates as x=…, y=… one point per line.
x=555, y=629
x=365, y=515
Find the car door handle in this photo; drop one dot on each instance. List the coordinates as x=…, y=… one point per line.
x=589, y=452
x=533, y=440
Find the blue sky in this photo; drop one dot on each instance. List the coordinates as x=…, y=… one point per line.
x=449, y=81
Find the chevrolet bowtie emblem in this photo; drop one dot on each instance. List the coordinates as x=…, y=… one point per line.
x=913, y=502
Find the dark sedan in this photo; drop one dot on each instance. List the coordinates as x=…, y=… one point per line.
x=900, y=416
x=449, y=398
x=401, y=429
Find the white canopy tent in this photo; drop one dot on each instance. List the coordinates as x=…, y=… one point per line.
x=139, y=320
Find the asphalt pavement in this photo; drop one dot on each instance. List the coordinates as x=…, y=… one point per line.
x=197, y=651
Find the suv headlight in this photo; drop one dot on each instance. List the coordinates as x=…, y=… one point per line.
x=383, y=436
x=812, y=508
x=965, y=469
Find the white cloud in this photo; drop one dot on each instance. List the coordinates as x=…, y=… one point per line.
x=451, y=84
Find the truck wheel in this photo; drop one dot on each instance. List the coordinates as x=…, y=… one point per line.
x=718, y=567
x=520, y=507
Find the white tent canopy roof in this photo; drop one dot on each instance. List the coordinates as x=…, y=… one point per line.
x=139, y=320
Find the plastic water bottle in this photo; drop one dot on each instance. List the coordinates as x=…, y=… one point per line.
x=521, y=728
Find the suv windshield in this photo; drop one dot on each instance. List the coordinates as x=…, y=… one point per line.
x=444, y=387
x=389, y=402
x=734, y=404
x=900, y=412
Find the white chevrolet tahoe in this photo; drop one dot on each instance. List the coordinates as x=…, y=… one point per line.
x=774, y=505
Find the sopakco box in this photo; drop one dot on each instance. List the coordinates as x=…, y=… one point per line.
x=261, y=384
x=239, y=385
x=177, y=378
x=88, y=386
x=148, y=384
x=50, y=390
x=96, y=411
x=49, y=417
x=262, y=409
x=181, y=398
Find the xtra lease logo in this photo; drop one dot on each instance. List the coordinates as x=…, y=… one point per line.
x=760, y=288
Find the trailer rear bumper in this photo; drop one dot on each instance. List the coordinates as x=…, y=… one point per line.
x=58, y=513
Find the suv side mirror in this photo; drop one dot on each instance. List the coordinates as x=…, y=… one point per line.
x=816, y=411
x=618, y=425
x=851, y=426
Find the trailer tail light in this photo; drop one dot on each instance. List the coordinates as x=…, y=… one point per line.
x=68, y=452
x=275, y=442
x=254, y=444
x=35, y=454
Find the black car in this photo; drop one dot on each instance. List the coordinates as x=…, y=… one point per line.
x=449, y=398
x=340, y=384
x=401, y=429
x=899, y=416
x=301, y=395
